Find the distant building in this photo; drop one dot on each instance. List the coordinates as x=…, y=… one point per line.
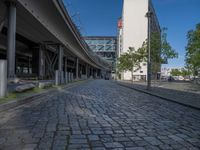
x=166, y=72
x=133, y=31
x=104, y=46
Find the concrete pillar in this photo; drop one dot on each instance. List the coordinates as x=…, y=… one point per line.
x=65, y=70
x=62, y=77
x=65, y=64
x=41, y=63
x=86, y=70
x=38, y=62
x=77, y=68
x=57, y=79
x=60, y=58
x=11, y=38
x=66, y=77
x=71, y=77
x=3, y=78
x=60, y=64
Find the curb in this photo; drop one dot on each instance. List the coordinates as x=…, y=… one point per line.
x=159, y=96
x=21, y=101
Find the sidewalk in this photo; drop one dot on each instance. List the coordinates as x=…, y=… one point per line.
x=182, y=97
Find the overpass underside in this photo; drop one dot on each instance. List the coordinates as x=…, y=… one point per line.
x=38, y=37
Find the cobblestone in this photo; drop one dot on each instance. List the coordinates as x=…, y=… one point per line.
x=100, y=115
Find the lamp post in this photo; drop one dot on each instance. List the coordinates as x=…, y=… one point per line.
x=148, y=15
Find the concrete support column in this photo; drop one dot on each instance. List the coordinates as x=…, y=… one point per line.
x=93, y=72
x=11, y=38
x=65, y=64
x=3, y=78
x=86, y=70
x=77, y=68
x=41, y=63
x=38, y=62
x=60, y=64
x=60, y=58
x=65, y=70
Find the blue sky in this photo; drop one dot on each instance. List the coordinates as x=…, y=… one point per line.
x=99, y=17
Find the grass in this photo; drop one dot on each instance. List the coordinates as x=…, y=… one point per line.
x=9, y=97
x=15, y=95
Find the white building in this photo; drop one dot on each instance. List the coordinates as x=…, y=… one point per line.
x=166, y=72
x=133, y=31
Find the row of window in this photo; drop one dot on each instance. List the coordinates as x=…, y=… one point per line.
x=108, y=55
x=103, y=42
x=103, y=47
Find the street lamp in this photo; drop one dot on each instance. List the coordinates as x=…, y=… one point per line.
x=149, y=15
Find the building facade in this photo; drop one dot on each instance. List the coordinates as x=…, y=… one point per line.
x=133, y=31
x=105, y=47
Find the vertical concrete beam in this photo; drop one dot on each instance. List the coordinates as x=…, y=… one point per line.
x=41, y=63
x=3, y=78
x=60, y=64
x=11, y=38
x=38, y=61
x=60, y=58
x=57, y=79
x=65, y=64
x=86, y=70
x=77, y=68
x=65, y=70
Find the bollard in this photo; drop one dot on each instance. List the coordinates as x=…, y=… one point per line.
x=3, y=78
x=57, y=78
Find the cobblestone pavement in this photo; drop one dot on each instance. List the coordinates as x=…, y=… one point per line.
x=100, y=115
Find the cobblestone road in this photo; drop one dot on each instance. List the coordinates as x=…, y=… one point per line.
x=100, y=115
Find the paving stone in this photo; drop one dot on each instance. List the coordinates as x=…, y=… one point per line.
x=152, y=140
x=93, y=137
x=113, y=145
x=100, y=115
x=136, y=148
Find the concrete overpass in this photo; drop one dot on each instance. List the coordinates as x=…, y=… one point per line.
x=40, y=36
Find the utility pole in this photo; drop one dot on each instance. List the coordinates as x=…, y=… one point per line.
x=149, y=15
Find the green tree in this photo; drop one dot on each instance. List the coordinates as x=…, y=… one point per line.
x=175, y=72
x=185, y=72
x=130, y=61
x=161, y=48
x=181, y=72
x=161, y=51
x=192, y=57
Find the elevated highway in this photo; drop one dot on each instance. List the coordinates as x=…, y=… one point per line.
x=38, y=37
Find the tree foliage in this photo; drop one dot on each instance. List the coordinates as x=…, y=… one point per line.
x=192, y=57
x=181, y=72
x=130, y=61
x=161, y=48
x=175, y=72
